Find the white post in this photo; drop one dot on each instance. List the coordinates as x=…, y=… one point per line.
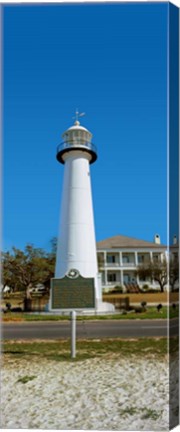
x=120, y=259
x=73, y=334
x=136, y=259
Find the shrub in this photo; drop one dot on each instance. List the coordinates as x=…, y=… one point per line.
x=143, y=304
x=117, y=289
x=148, y=289
x=145, y=287
x=153, y=290
x=138, y=309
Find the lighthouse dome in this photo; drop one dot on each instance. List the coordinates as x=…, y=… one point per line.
x=77, y=133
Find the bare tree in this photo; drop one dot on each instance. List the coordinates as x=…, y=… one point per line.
x=154, y=270
x=173, y=272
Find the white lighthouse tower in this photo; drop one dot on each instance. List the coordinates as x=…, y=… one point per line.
x=76, y=248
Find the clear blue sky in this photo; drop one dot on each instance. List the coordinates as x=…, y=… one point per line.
x=109, y=60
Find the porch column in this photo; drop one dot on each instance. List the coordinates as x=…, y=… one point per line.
x=136, y=259
x=121, y=276
x=151, y=259
x=120, y=259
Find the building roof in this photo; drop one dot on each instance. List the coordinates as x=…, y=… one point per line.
x=120, y=241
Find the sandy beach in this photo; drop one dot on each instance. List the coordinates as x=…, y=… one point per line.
x=112, y=393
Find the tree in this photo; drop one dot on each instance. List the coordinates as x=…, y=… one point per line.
x=53, y=247
x=8, y=276
x=173, y=272
x=25, y=269
x=154, y=270
x=51, y=260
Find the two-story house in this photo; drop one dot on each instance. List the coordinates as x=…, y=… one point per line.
x=119, y=257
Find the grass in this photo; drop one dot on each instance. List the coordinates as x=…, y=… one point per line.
x=128, y=411
x=150, y=413
x=174, y=313
x=16, y=299
x=60, y=350
x=26, y=379
x=151, y=313
x=39, y=302
x=147, y=413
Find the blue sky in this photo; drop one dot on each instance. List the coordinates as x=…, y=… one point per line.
x=109, y=60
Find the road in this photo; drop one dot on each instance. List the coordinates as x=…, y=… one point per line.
x=93, y=329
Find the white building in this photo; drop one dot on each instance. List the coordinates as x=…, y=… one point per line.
x=119, y=257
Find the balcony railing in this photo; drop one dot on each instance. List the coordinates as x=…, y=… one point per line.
x=76, y=143
x=111, y=283
x=117, y=264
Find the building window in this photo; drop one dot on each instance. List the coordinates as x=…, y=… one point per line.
x=143, y=279
x=111, y=277
x=126, y=259
x=141, y=259
x=111, y=259
x=127, y=278
x=175, y=256
x=156, y=258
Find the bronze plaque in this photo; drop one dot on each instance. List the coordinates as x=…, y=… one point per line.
x=78, y=293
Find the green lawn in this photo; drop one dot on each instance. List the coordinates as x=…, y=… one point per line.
x=60, y=350
x=151, y=313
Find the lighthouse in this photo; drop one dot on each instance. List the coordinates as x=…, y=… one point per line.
x=76, y=259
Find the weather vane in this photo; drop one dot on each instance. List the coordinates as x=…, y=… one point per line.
x=77, y=115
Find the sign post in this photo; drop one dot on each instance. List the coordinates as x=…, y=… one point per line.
x=73, y=334
x=73, y=293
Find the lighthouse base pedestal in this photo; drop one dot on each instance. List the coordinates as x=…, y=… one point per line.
x=100, y=305
x=104, y=307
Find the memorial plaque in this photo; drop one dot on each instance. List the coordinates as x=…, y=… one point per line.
x=78, y=293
